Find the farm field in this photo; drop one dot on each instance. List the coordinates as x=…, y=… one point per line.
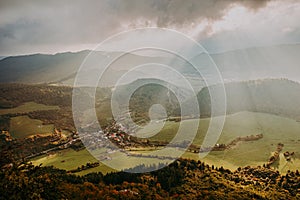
x=23, y=126
x=69, y=159
x=275, y=129
x=27, y=107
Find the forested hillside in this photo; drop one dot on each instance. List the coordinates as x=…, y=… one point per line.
x=273, y=96
x=184, y=179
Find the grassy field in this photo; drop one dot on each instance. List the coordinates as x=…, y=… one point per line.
x=23, y=126
x=69, y=159
x=27, y=107
x=274, y=128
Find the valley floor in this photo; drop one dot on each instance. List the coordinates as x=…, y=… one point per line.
x=275, y=130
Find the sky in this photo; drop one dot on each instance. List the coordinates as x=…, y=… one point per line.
x=31, y=26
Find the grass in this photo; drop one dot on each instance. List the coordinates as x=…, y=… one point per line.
x=120, y=161
x=26, y=108
x=274, y=128
x=69, y=159
x=284, y=165
x=23, y=126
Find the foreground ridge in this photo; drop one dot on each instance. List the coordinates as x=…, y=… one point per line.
x=182, y=179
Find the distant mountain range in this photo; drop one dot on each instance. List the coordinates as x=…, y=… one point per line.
x=245, y=64
x=258, y=62
x=40, y=68
x=61, y=68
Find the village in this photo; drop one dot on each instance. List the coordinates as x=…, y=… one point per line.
x=118, y=135
x=120, y=140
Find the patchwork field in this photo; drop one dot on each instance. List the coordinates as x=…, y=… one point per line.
x=27, y=107
x=69, y=159
x=275, y=129
x=23, y=126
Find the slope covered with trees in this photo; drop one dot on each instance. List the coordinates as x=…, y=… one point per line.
x=183, y=179
x=273, y=96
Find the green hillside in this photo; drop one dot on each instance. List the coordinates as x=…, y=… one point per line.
x=274, y=96
x=275, y=129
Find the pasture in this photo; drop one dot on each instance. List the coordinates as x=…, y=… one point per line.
x=69, y=159
x=23, y=126
x=26, y=108
x=274, y=128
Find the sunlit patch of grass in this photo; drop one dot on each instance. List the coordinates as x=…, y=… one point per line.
x=23, y=126
x=27, y=107
x=274, y=128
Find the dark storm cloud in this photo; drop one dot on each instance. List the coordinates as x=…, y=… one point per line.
x=32, y=23
x=178, y=12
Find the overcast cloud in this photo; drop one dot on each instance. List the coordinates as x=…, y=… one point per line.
x=55, y=26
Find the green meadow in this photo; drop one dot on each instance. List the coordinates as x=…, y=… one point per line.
x=27, y=107
x=69, y=159
x=253, y=153
x=23, y=126
x=274, y=128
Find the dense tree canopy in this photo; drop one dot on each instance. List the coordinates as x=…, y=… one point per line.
x=183, y=179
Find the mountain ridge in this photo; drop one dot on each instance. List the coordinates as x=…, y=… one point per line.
x=246, y=64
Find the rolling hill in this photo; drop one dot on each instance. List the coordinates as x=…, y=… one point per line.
x=61, y=68
x=280, y=61
x=273, y=96
x=244, y=64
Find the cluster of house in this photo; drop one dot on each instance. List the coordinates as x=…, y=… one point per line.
x=116, y=133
